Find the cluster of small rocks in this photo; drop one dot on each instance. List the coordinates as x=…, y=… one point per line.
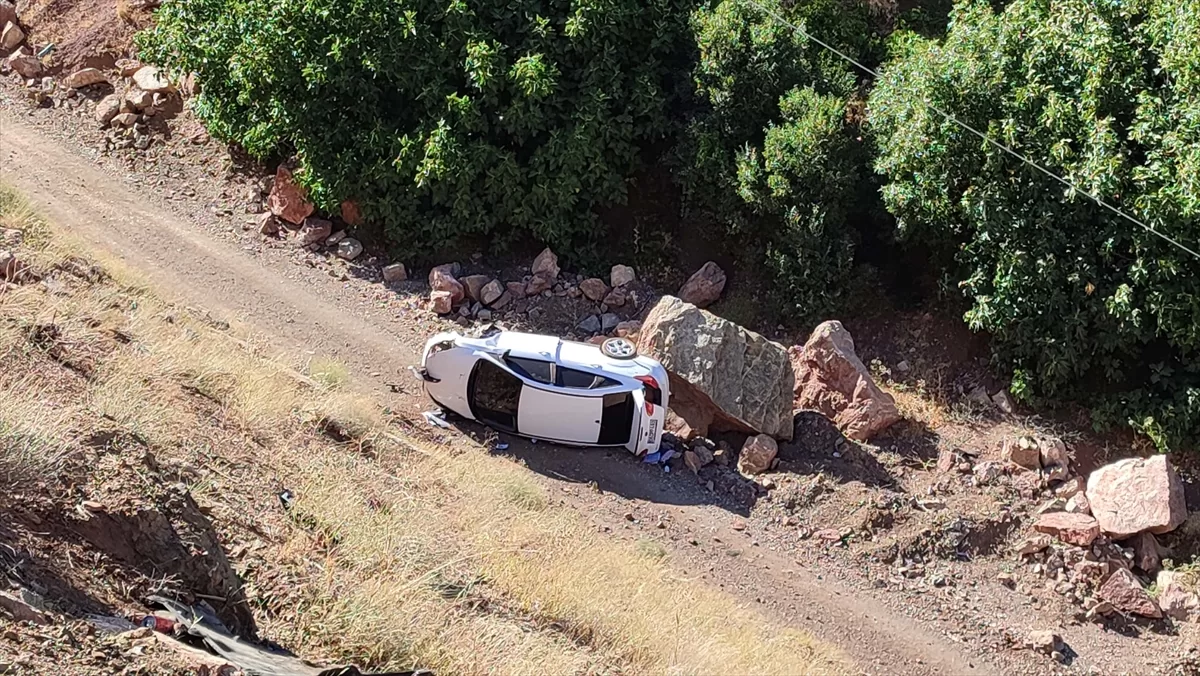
x=138, y=92
x=1096, y=540
x=485, y=297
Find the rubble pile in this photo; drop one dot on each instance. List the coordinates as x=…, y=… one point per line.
x=1095, y=542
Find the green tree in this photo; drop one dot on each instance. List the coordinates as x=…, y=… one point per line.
x=444, y=118
x=772, y=152
x=1081, y=302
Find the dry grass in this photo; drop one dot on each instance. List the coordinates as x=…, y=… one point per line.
x=408, y=554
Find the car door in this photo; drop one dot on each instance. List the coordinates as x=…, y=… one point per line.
x=552, y=414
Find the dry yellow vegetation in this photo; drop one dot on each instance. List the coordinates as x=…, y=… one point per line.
x=404, y=553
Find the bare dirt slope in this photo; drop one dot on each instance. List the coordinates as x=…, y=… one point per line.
x=309, y=310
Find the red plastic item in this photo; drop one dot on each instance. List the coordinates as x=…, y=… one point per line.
x=159, y=624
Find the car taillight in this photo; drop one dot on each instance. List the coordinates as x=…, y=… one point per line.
x=652, y=392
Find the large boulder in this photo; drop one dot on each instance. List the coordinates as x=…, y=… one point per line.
x=723, y=376
x=705, y=286
x=1135, y=495
x=832, y=380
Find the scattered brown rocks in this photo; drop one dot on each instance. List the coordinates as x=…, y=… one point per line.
x=704, y=287
x=473, y=285
x=757, y=455
x=545, y=265
x=1045, y=642
x=441, y=279
x=594, y=289
x=108, y=108
x=11, y=35
x=1023, y=452
x=616, y=298
x=8, y=12
x=491, y=292
x=1135, y=495
x=832, y=380
x=350, y=213
x=1177, y=599
x=15, y=605
x=1126, y=594
x=441, y=302
x=313, y=231
x=1145, y=552
x=25, y=65
x=349, y=248
x=396, y=272
x=287, y=199
x=84, y=78
x=722, y=375
x=151, y=79
x=1076, y=529
x=621, y=275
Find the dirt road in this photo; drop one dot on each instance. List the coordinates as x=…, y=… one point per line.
x=306, y=311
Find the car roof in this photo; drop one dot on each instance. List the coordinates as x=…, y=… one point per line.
x=551, y=348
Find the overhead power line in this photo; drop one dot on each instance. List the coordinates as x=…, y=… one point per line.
x=812, y=38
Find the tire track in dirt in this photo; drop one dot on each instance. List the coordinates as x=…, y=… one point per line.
x=307, y=311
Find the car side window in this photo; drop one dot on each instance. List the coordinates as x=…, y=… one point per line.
x=582, y=380
x=533, y=369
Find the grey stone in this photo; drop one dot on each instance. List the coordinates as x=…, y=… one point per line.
x=591, y=324
x=608, y=322
x=722, y=376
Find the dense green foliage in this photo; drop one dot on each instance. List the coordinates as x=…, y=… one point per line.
x=525, y=119
x=442, y=118
x=770, y=154
x=1080, y=301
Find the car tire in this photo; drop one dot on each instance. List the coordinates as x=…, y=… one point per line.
x=618, y=348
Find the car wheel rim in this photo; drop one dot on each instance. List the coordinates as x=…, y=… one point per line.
x=619, y=347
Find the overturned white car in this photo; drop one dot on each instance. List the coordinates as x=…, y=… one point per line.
x=548, y=388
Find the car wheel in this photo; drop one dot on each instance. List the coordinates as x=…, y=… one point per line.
x=618, y=348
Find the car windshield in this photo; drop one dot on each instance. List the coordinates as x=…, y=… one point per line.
x=581, y=379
